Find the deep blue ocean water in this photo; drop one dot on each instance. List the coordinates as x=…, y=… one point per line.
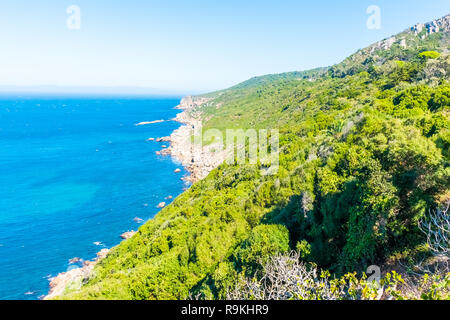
x=73, y=172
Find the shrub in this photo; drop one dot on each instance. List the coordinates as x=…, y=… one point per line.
x=429, y=55
x=263, y=242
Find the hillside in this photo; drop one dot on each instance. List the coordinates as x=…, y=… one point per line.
x=364, y=156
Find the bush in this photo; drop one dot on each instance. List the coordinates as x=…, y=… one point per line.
x=429, y=55
x=263, y=242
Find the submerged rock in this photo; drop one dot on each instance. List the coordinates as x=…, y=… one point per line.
x=163, y=139
x=161, y=205
x=75, y=260
x=165, y=152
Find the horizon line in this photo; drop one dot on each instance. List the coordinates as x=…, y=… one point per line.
x=93, y=90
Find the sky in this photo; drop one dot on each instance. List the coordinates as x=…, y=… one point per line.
x=187, y=46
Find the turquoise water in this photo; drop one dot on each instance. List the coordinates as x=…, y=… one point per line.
x=75, y=172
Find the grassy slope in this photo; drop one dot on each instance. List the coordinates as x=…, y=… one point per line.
x=364, y=153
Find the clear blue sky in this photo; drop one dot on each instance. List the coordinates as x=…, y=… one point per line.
x=188, y=46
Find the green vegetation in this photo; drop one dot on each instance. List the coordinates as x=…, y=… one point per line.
x=285, y=277
x=364, y=154
x=430, y=55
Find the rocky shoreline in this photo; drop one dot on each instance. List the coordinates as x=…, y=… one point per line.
x=74, y=277
x=199, y=161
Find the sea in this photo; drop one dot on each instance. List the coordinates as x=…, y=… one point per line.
x=75, y=173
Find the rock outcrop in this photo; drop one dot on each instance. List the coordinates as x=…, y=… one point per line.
x=191, y=102
x=75, y=260
x=407, y=38
x=138, y=220
x=74, y=277
x=161, y=205
x=128, y=234
x=442, y=24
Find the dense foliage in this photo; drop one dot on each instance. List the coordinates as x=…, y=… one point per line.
x=364, y=153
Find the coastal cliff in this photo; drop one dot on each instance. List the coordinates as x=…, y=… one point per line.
x=363, y=163
x=198, y=159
